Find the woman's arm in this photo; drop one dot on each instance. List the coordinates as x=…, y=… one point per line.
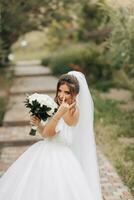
x=72, y=116
x=49, y=129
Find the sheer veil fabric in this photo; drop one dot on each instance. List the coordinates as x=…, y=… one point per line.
x=83, y=144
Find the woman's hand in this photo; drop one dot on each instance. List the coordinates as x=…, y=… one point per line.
x=34, y=121
x=73, y=108
x=64, y=107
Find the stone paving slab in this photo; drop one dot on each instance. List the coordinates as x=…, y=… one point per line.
x=31, y=71
x=14, y=135
x=28, y=62
x=17, y=114
x=112, y=186
x=33, y=84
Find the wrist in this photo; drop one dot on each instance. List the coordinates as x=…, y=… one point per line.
x=41, y=124
x=59, y=114
x=57, y=117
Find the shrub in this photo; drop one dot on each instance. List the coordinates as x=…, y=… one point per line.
x=64, y=62
x=90, y=21
x=89, y=58
x=105, y=85
x=46, y=61
x=121, y=40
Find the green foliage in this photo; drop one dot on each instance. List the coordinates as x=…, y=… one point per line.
x=61, y=61
x=2, y=109
x=1, y=52
x=95, y=63
x=14, y=22
x=88, y=58
x=19, y=17
x=37, y=110
x=60, y=34
x=129, y=153
x=116, y=124
x=121, y=40
x=105, y=85
x=91, y=18
x=127, y=125
x=58, y=69
x=6, y=78
x=127, y=173
x=46, y=61
x=109, y=111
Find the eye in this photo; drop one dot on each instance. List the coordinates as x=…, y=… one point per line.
x=67, y=92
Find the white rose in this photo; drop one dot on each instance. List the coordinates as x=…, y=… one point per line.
x=43, y=99
x=50, y=112
x=33, y=97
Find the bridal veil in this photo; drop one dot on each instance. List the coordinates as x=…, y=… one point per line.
x=83, y=144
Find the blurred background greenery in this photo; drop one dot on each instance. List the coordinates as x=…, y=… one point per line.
x=95, y=37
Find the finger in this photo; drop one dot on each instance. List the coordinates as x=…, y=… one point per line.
x=67, y=105
x=31, y=123
x=72, y=105
x=72, y=110
x=63, y=99
x=37, y=118
x=74, y=100
x=32, y=116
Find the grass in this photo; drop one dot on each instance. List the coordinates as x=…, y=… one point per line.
x=112, y=124
x=24, y=54
x=36, y=47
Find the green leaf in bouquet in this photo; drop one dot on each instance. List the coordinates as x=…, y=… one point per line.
x=55, y=110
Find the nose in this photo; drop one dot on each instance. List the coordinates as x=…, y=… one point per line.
x=61, y=96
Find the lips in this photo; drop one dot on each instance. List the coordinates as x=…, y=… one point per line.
x=60, y=99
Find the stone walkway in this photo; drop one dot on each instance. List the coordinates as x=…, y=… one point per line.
x=14, y=137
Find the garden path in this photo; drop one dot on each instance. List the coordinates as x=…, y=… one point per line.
x=14, y=138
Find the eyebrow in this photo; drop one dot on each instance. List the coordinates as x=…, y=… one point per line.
x=65, y=91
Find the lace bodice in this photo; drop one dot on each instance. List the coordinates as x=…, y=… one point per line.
x=64, y=133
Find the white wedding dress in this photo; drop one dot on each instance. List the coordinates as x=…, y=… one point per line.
x=47, y=170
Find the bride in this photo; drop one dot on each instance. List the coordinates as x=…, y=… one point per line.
x=63, y=165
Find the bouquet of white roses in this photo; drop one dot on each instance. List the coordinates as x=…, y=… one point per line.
x=41, y=106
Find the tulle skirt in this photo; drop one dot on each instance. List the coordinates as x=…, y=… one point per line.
x=45, y=171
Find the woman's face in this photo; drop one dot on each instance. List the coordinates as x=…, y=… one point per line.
x=64, y=91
